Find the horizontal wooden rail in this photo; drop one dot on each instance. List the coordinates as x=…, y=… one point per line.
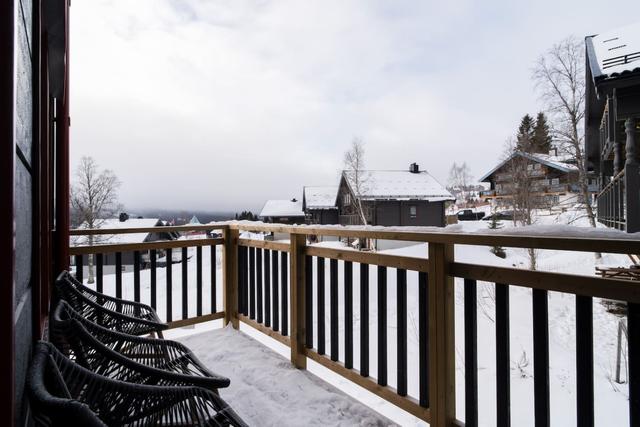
x=156, y=229
x=264, y=244
x=387, y=393
x=393, y=261
x=622, y=290
x=129, y=247
x=195, y=320
x=265, y=330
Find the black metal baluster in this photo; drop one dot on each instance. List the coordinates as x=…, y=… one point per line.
x=364, y=320
x=169, y=258
x=154, y=290
x=185, y=288
x=423, y=338
x=503, y=368
x=252, y=283
x=382, y=325
x=541, y=357
x=402, y=331
x=348, y=314
x=259, y=301
x=136, y=276
x=99, y=273
x=333, y=308
x=245, y=281
x=267, y=288
x=276, y=291
x=241, y=269
x=308, y=281
x=118, y=274
x=470, y=353
x=320, y=302
x=283, y=294
x=79, y=268
x=214, y=281
x=633, y=342
x=199, y=281
x=584, y=361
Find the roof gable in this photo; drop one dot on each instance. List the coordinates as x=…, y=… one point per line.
x=555, y=162
x=397, y=184
x=320, y=197
x=614, y=53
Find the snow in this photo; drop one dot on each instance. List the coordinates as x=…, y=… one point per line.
x=262, y=381
x=281, y=208
x=611, y=45
x=399, y=184
x=266, y=390
x=321, y=197
x=119, y=238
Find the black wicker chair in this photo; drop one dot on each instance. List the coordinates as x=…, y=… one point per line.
x=68, y=336
x=113, y=313
x=64, y=393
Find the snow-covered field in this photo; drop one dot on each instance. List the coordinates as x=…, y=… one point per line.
x=610, y=400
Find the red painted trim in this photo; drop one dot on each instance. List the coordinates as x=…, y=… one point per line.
x=7, y=223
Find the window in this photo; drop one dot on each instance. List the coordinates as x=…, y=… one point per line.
x=346, y=199
x=529, y=167
x=537, y=166
x=413, y=211
x=555, y=181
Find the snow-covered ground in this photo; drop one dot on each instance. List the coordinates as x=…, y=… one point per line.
x=610, y=400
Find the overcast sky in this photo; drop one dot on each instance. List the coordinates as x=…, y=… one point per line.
x=206, y=104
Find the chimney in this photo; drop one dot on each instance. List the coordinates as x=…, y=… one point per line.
x=123, y=216
x=294, y=200
x=414, y=168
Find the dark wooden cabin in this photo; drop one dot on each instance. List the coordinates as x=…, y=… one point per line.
x=612, y=124
x=392, y=198
x=319, y=204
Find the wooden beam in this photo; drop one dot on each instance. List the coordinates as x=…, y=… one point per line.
x=387, y=393
x=267, y=331
x=297, y=267
x=264, y=244
x=195, y=320
x=230, y=277
x=373, y=258
x=621, y=290
x=146, y=246
x=155, y=229
x=441, y=336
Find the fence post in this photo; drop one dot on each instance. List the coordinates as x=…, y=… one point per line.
x=441, y=336
x=297, y=292
x=230, y=276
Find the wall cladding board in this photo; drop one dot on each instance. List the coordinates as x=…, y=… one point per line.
x=24, y=236
x=24, y=328
x=24, y=81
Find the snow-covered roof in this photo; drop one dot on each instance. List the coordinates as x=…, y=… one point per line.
x=119, y=238
x=398, y=184
x=557, y=162
x=321, y=197
x=281, y=208
x=194, y=221
x=614, y=53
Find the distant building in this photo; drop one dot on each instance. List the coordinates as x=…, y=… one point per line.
x=282, y=212
x=552, y=179
x=612, y=122
x=319, y=204
x=392, y=198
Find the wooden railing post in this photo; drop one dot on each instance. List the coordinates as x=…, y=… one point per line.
x=441, y=336
x=297, y=292
x=230, y=277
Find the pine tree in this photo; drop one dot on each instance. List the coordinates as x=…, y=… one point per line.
x=525, y=134
x=495, y=224
x=541, y=137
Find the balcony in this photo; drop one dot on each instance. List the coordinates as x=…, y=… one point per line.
x=410, y=349
x=612, y=205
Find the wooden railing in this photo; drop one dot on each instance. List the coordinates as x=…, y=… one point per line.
x=280, y=289
x=611, y=203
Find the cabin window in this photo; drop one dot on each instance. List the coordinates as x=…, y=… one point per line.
x=529, y=167
x=537, y=166
x=555, y=181
x=413, y=211
x=346, y=199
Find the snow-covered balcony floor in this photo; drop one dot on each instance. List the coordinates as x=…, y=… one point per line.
x=266, y=390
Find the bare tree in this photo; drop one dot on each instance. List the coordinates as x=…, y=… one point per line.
x=354, y=166
x=460, y=179
x=559, y=78
x=94, y=198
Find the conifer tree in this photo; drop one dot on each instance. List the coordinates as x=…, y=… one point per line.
x=541, y=135
x=525, y=134
x=495, y=224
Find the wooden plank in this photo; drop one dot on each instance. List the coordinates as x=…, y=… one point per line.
x=158, y=229
x=393, y=261
x=195, y=320
x=387, y=393
x=265, y=244
x=129, y=247
x=267, y=331
x=621, y=290
x=230, y=277
x=284, y=313
x=297, y=276
x=308, y=314
x=441, y=336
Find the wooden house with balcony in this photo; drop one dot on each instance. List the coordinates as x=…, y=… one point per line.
x=550, y=178
x=409, y=197
x=612, y=124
